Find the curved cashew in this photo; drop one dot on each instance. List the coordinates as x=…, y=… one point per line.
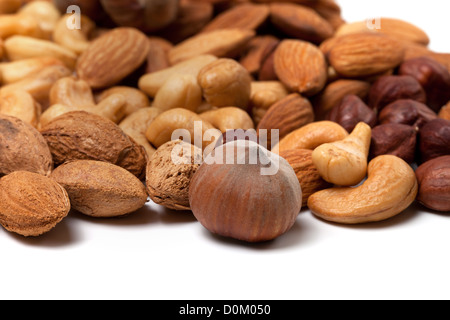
x=344, y=162
x=390, y=188
x=46, y=14
x=228, y=118
x=311, y=136
x=20, y=104
x=163, y=126
x=135, y=98
x=76, y=40
x=15, y=24
x=136, y=124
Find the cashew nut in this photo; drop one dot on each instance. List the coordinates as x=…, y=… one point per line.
x=46, y=14
x=344, y=162
x=76, y=40
x=163, y=126
x=228, y=118
x=390, y=188
x=135, y=99
x=311, y=136
x=20, y=104
x=263, y=95
x=15, y=24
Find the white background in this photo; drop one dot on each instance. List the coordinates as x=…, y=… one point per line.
x=157, y=254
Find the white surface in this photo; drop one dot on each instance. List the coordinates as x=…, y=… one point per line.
x=155, y=254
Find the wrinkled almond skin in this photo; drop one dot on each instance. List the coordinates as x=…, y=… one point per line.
x=301, y=66
x=22, y=148
x=100, y=189
x=307, y=174
x=407, y=111
x=434, y=184
x=390, y=88
x=80, y=135
x=31, y=204
x=112, y=57
x=434, y=139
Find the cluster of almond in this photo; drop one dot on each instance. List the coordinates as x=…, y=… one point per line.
x=88, y=115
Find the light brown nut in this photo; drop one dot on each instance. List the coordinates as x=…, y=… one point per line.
x=112, y=57
x=76, y=40
x=225, y=43
x=286, y=115
x=13, y=71
x=20, y=104
x=365, y=54
x=31, y=204
x=307, y=174
x=80, y=135
x=444, y=113
x=180, y=91
x=135, y=99
x=390, y=188
x=152, y=82
x=263, y=95
x=22, y=148
x=15, y=24
x=335, y=91
x=24, y=47
x=344, y=162
x=434, y=184
x=395, y=28
x=300, y=66
x=228, y=118
x=300, y=22
x=157, y=57
x=10, y=6
x=100, y=189
x=164, y=126
x=71, y=92
x=135, y=125
x=225, y=83
x=46, y=14
x=53, y=112
x=311, y=136
x=243, y=16
x=169, y=173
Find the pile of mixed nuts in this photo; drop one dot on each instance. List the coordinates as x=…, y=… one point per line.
x=107, y=104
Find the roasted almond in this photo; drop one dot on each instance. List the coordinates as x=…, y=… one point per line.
x=243, y=16
x=300, y=22
x=257, y=51
x=220, y=43
x=365, y=54
x=301, y=66
x=112, y=57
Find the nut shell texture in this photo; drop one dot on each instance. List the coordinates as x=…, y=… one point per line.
x=31, y=204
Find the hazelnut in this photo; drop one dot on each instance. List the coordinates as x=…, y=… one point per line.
x=350, y=111
x=433, y=77
x=390, y=88
x=434, y=184
x=407, y=111
x=237, y=193
x=434, y=139
x=394, y=139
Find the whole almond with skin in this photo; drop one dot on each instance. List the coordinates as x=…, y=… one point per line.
x=300, y=66
x=300, y=22
x=257, y=51
x=287, y=115
x=220, y=43
x=112, y=57
x=243, y=16
x=80, y=135
x=100, y=189
x=365, y=54
x=31, y=204
x=22, y=148
x=307, y=174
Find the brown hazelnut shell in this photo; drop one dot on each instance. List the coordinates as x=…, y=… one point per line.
x=407, y=111
x=434, y=139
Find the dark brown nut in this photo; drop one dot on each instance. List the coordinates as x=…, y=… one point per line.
x=257, y=51
x=394, y=139
x=444, y=113
x=80, y=135
x=434, y=184
x=350, y=111
x=433, y=77
x=388, y=89
x=267, y=71
x=407, y=111
x=434, y=139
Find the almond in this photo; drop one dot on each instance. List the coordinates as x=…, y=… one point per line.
x=365, y=54
x=112, y=57
x=243, y=16
x=286, y=115
x=300, y=22
x=301, y=66
x=307, y=174
x=395, y=28
x=257, y=51
x=220, y=43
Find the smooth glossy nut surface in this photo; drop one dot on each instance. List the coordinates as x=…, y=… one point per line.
x=407, y=111
x=434, y=139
